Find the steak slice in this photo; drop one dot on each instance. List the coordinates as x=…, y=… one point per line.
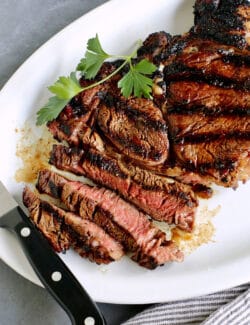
x=197, y=151
x=210, y=61
x=120, y=219
x=136, y=128
x=188, y=126
x=50, y=224
x=162, y=198
x=227, y=160
x=191, y=97
x=65, y=229
x=209, y=129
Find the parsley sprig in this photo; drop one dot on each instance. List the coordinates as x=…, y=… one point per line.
x=135, y=82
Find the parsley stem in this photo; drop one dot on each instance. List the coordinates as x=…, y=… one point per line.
x=128, y=57
x=127, y=60
x=106, y=78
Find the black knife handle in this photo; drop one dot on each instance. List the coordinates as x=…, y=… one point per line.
x=55, y=275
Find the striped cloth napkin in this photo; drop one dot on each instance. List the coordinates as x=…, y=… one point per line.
x=229, y=307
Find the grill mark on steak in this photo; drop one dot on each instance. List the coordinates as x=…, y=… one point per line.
x=193, y=75
x=124, y=222
x=65, y=229
x=105, y=220
x=142, y=188
x=103, y=163
x=140, y=108
x=192, y=51
x=227, y=76
x=200, y=184
x=221, y=111
x=197, y=127
x=211, y=137
x=187, y=96
x=227, y=149
x=136, y=127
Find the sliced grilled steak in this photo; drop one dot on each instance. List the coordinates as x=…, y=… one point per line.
x=200, y=184
x=162, y=198
x=209, y=61
x=76, y=123
x=209, y=128
x=48, y=222
x=226, y=21
x=188, y=126
x=120, y=219
x=64, y=229
x=88, y=138
x=208, y=151
x=207, y=108
x=136, y=128
x=225, y=159
x=191, y=97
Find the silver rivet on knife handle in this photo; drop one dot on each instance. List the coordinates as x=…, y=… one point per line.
x=25, y=232
x=56, y=276
x=89, y=321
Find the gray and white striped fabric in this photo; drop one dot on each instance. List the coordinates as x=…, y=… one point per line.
x=229, y=307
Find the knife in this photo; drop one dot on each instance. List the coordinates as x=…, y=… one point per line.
x=51, y=270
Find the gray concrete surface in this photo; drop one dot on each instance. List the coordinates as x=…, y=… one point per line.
x=24, y=26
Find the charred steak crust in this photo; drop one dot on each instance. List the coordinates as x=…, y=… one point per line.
x=162, y=198
x=120, y=219
x=207, y=61
x=208, y=100
x=153, y=46
x=226, y=21
x=64, y=230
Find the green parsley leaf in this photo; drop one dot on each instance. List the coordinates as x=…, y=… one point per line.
x=94, y=58
x=145, y=67
x=81, y=65
x=66, y=87
x=94, y=45
x=51, y=110
x=91, y=64
x=136, y=82
x=126, y=84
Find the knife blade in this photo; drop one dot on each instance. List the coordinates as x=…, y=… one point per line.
x=51, y=270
